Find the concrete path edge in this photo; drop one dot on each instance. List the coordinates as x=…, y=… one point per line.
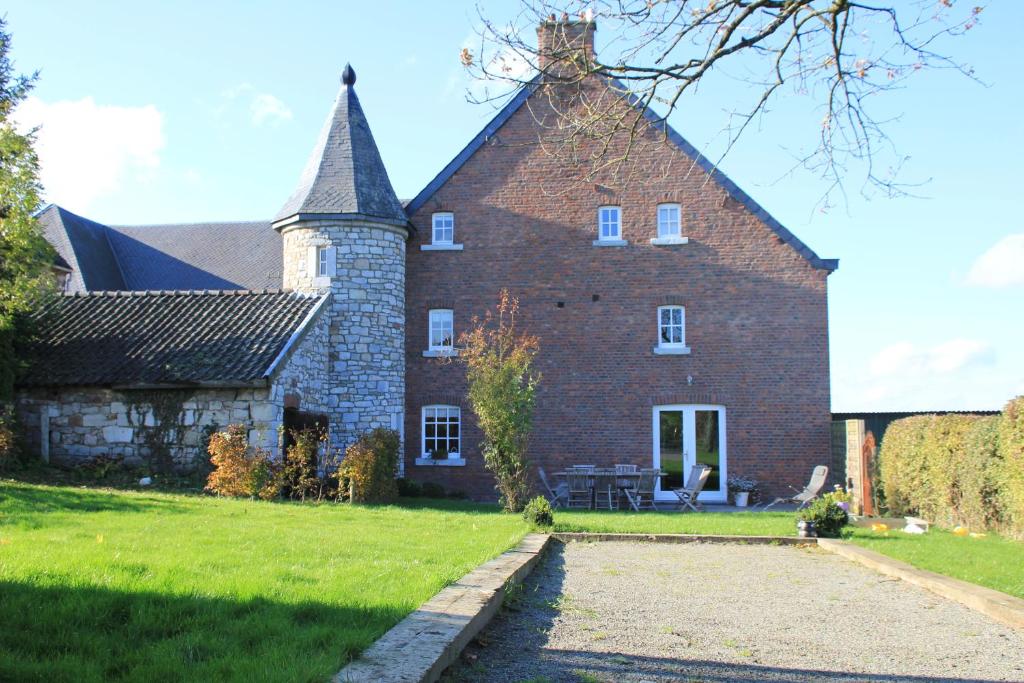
x=1004, y=608
x=681, y=538
x=421, y=646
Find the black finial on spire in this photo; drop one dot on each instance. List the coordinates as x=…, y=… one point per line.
x=348, y=76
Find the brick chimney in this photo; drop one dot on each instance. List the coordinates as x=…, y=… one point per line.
x=565, y=41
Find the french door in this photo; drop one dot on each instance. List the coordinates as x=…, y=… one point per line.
x=686, y=435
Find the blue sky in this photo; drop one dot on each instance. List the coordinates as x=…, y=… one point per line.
x=192, y=111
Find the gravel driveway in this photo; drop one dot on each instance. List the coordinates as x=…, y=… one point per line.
x=695, y=612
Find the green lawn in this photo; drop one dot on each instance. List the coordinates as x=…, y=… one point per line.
x=103, y=585
x=725, y=523
x=992, y=561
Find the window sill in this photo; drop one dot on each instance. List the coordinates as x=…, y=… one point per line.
x=672, y=350
x=668, y=241
x=447, y=462
x=610, y=243
x=322, y=281
x=440, y=353
x=440, y=247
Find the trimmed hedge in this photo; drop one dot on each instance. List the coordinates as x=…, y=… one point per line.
x=1011, y=448
x=957, y=469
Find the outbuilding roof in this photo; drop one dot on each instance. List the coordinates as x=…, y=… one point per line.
x=167, y=338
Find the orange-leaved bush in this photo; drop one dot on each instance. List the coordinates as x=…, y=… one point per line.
x=240, y=470
x=502, y=388
x=368, y=470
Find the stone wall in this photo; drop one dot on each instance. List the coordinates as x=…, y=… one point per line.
x=85, y=422
x=366, y=318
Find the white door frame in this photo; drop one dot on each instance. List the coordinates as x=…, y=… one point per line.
x=690, y=449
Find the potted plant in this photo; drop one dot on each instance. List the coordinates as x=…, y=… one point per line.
x=741, y=488
x=823, y=517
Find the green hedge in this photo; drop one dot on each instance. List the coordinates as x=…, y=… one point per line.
x=957, y=469
x=1011, y=448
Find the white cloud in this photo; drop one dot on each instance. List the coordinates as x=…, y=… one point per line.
x=1000, y=266
x=956, y=374
x=87, y=150
x=904, y=358
x=263, y=108
x=266, y=108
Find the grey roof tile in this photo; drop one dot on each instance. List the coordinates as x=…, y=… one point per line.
x=83, y=247
x=227, y=338
x=216, y=255
x=345, y=174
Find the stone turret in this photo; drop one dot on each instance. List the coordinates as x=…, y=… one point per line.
x=344, y=232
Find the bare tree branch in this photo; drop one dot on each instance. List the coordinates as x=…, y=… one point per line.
x=840, y=54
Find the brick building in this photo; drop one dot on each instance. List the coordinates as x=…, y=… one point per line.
x=678, y=321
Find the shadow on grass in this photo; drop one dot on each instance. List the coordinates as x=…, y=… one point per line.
x=91, y=633
x=25, y=499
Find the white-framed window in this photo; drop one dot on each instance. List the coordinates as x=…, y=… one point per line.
x=671, y=327
x=442, y=329
x=609, y=223
x=668, y=220
x=323, y=261
x=444, y=228
x=442, y=434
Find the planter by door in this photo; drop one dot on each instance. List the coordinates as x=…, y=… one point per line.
x=741, y=498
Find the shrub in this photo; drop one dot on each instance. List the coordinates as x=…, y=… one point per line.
x=238, y=469
x=102, y=466
x=901, y=463
x=538, y=512
x=369, y=467
x=407, y=488
x=502, y=387
x=829, y=519
x=979, y=506
x=8, y=438
x=1011, y=477
x=944, y=460
x=298, y=477
x=432, y=490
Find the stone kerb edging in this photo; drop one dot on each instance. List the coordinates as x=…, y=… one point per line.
x=682, y=538
x=1004, y=608
x=429, y=640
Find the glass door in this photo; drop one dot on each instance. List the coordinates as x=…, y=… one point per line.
x=686, y=435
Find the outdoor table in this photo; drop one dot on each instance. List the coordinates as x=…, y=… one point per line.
x=619, y=476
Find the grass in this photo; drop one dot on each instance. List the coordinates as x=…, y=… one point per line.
x=991, y=561
x=710, y=523
x=104, y=585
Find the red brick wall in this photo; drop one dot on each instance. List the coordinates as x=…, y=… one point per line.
x=756, y=317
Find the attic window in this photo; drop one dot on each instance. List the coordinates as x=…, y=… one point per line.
x=668, y=220
x=444, y=228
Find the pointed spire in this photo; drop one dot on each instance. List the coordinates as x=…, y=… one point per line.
x=344, y=176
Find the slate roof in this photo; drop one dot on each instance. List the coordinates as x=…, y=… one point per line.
x=195, y=338
x=675, y=138
x=213, y=255
x=83, y=246
x=219, y=255
x=344, y=176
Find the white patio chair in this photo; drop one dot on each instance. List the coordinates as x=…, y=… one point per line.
x=691, y=489
x=809, y=493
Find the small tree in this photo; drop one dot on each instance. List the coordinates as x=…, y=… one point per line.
x=25, y=256
x=502, y=388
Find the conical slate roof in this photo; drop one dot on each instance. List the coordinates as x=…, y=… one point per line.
x=344, y=177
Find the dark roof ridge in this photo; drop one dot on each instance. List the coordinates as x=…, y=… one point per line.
x=187, y=225
x=184, y=292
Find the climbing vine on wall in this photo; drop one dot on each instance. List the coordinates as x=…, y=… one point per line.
x=167, y=426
